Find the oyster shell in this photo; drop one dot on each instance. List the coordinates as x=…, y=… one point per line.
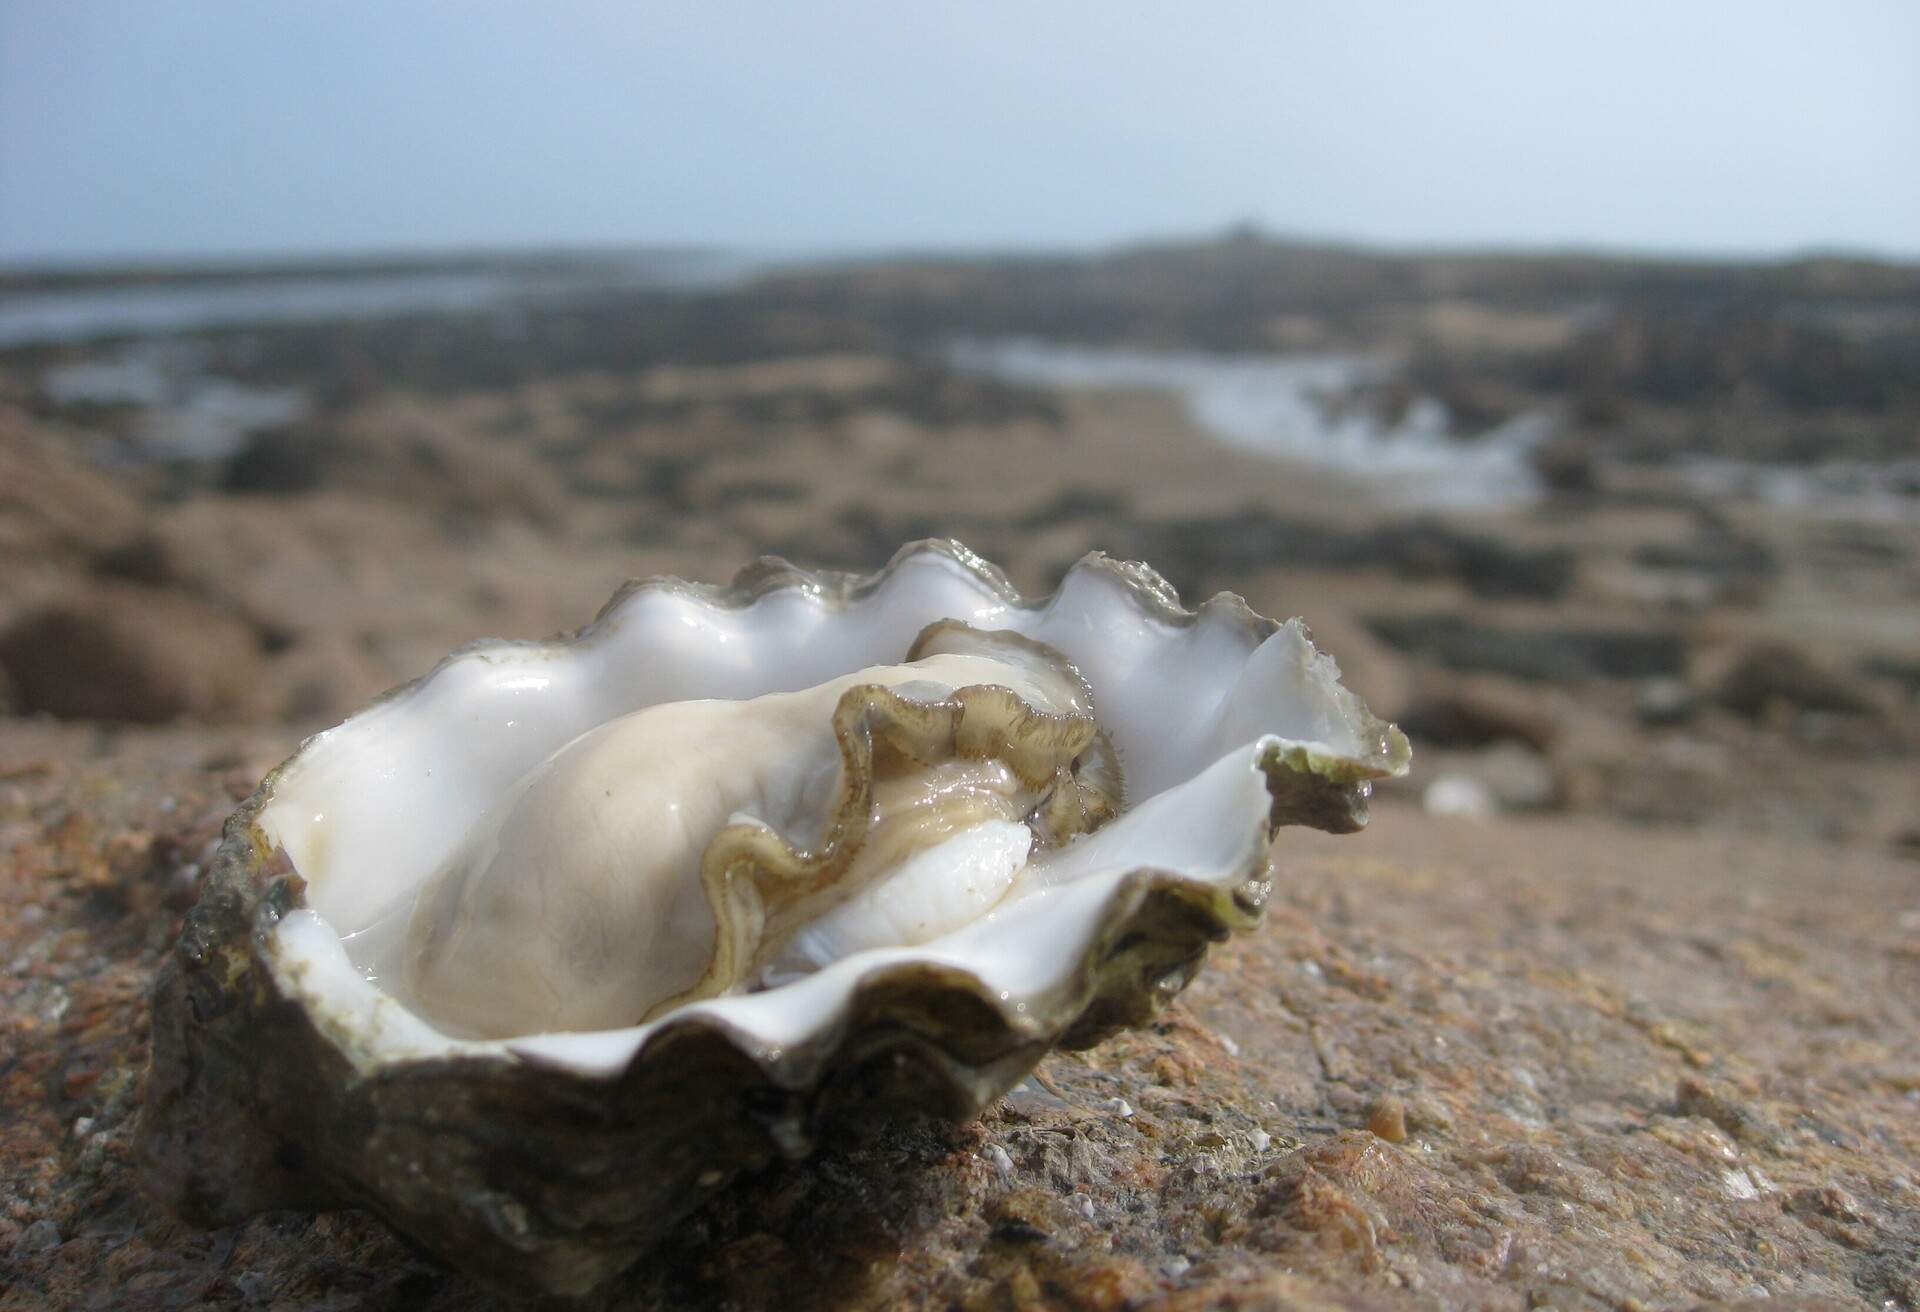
x=345, y=1017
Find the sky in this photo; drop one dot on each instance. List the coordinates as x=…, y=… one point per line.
x=205, y=128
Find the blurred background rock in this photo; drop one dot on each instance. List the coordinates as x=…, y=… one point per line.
x=277, y=521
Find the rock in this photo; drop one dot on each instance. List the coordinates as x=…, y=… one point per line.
x=1200, y=553
x=1770, y=674
x=1506, y=777
x=1517, y=777
x=403, y=450
x=140, y=558
x=1902, y=672
x=1489, y=566
x=1457, y=712
x=119, y=651
x=1663, y=702
x=1715, y=566
x=283, y=461
x=54, y=506
x=1552, y=655
x=39, y=1237
x=1459, y=795
x=1721, y=555
x=1565, y=467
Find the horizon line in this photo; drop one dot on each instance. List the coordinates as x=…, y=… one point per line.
x=451, y=256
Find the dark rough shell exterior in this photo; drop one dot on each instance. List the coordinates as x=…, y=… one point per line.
x=545, y=1179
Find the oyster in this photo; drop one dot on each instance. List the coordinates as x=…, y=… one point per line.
x=538, y=952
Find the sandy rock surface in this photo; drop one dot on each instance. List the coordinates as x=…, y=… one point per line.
x=1552, y=1062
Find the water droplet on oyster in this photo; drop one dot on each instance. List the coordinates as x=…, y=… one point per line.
x=698, y=848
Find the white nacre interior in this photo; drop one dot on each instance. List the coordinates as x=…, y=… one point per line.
x=370, y=810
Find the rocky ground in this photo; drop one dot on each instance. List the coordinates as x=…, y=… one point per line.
x=1614, y=1006
x=1541, y=1062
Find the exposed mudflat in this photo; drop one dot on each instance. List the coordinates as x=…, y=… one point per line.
x=1616, y=1005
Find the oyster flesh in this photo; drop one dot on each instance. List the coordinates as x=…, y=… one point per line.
x=688, y=849
x=535, y=954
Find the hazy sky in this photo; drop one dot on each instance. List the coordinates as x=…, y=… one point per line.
x=203, y=127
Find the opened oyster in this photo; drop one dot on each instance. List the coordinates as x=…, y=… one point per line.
x=537, y=953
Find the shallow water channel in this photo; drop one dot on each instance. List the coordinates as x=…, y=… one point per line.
x=1286, y=406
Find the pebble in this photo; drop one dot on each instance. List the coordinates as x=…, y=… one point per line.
x=1458, y=795
x=1120, y=1107
x=1517, y=777
x=1260, y=1140
x=1664, y=701
x=996, y=1157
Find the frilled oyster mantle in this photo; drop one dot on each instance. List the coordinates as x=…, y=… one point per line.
x=283, y=1076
